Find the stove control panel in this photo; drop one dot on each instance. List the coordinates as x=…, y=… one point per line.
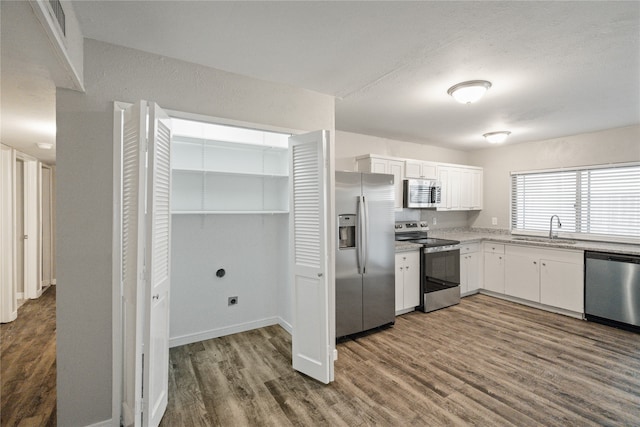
x=408, y=226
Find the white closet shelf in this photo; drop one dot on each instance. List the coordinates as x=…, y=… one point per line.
x=234, y=145
x=229, y=173
x=228, y=212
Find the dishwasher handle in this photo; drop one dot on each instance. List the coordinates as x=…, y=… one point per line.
x=630, y=259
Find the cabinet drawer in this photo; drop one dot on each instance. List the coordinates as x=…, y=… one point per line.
x=467, y=248
x=494, y=248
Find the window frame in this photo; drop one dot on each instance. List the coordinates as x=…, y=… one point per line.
x=562, y=234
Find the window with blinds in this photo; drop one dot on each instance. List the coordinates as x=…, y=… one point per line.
x=600, y=200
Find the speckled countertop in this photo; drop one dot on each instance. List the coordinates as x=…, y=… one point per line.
x=503, y=236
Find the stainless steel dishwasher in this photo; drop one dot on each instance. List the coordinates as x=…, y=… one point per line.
x=612, y=289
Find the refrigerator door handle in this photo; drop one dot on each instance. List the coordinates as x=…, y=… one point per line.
x=360, y=253
x=362, y=243
x=365, y=240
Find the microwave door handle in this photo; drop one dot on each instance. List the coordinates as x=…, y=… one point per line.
x=359, y=238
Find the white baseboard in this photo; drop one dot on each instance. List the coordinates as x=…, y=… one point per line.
x=53, y=281
x=220, y=332
x=45, y=283
x=106, y=423
x=533, y=304
x=19, y=295
x=285, y=325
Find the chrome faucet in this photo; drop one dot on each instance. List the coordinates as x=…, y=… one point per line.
x=551, y=235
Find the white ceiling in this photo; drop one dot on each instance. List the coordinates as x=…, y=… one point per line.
x=557, y=68
x=30, y=72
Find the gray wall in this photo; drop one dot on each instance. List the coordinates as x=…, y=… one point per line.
x=84, y=191
x=610, y=146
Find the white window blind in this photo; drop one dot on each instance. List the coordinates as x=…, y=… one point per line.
x=601, y=200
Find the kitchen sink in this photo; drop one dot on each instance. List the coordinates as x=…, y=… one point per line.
x=546, y=240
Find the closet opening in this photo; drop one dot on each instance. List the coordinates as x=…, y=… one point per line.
x=230, y=230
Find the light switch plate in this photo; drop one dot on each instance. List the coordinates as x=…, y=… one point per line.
x=494, y=220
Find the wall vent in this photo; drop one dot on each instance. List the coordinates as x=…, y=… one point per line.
x=58, y=12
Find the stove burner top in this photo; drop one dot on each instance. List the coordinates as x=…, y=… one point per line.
x=424, y=240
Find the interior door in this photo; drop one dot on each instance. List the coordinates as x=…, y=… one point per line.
x=133, y=216
x=32, y=285
x=157, y=262
x=311, y=347
x=145, y=263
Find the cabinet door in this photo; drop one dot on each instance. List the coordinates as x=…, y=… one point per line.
x=455, y=189
x=561, y=285
x=522, y=277
x=396, y=168
x=443, y=177
x=494, y=272
x=379, y=166
x=465, y=188
x=400, y=258
x=476, y=189
x=473, y=271
x=412, y=169
x=429, y=171
x=464, y=274
x=412, y=280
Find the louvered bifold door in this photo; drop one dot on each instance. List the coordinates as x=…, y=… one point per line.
x=132, y=239
x=157, y=263
x=308, y=225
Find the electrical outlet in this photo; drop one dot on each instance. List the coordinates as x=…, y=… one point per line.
x=494, y=220
x=435, y=221
x=232, y=301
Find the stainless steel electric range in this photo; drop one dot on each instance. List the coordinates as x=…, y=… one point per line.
x=439, y=265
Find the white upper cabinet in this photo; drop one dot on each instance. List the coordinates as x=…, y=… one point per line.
x=461, y=188
x=389, y=166
x=423, y=170
x=461, y=184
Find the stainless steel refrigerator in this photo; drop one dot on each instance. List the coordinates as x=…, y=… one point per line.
x=365, y=252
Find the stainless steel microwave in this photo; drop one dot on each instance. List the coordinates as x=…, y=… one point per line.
x=421, y=193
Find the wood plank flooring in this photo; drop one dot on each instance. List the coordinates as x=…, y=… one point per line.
x=28, y=364
x=483, y=362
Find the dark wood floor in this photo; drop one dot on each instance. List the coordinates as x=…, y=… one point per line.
x=483, y=362
x=28, y=364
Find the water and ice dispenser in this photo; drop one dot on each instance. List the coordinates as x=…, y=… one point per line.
x=346, y=231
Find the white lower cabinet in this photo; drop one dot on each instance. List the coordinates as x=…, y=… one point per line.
x=470, y=271
x=493, y=267
x=562, y=283
x=407, y=281
x=551, y=277
x=522, y=273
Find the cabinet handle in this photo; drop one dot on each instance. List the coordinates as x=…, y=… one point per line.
x=544, y=265
x=535, y=262
x=404, y=258
x=407, y=267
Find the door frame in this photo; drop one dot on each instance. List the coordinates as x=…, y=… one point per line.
x=8, y=288
x=116, y=270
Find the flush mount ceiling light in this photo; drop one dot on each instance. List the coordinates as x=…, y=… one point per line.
x=497, y=137
x=468, y=92
x=44, y=145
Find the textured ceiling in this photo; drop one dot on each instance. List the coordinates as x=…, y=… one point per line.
x=557, y=68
